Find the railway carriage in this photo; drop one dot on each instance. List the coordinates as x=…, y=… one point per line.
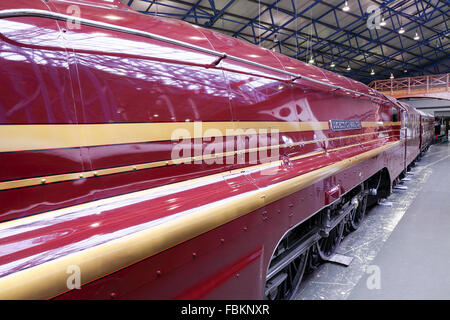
x=147, y=158
x=426, y=130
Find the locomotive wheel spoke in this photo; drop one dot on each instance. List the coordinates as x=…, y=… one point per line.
x=314, y=260
x=357, y=215
x=326, y=246
x=285, y=284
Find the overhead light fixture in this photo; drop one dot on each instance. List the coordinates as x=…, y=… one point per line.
x=311, y=60
x=332, y=65
x=392, y=76
x=348, y=68
x=372, y=73
x=416, y=37
x=275, y=39
x=382, y=23
x=346, y=7
x=401, y=31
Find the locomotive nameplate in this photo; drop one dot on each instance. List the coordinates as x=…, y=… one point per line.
x=341, y=125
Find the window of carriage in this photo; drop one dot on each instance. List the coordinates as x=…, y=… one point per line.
x=394, y=115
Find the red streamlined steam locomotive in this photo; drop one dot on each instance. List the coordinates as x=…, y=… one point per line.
x=129, y=167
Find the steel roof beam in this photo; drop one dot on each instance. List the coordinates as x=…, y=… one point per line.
x=257, y=17
x=350, y=49
x=404, y=50
x=417, y=44
x=355, y=35
x=191, y=10
x=294, y=16
x=217, y=14
x=381, y=42
x=328, y=26
x=409, y=48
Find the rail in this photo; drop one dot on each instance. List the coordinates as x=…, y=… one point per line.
x=12, y=13
x=413, y=85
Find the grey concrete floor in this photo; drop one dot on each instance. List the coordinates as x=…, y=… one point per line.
x=401, y=251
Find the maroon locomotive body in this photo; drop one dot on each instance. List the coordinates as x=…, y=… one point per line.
x=155, y=159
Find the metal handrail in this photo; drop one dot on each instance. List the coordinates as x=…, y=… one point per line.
x=413, y=83
x=12, y=13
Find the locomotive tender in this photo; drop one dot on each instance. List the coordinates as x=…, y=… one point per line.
x=93, y=203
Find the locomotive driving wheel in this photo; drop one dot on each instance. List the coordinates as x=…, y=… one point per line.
x=326, y=246
x=358, y=213
x=285, y=284
x=314, y=260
